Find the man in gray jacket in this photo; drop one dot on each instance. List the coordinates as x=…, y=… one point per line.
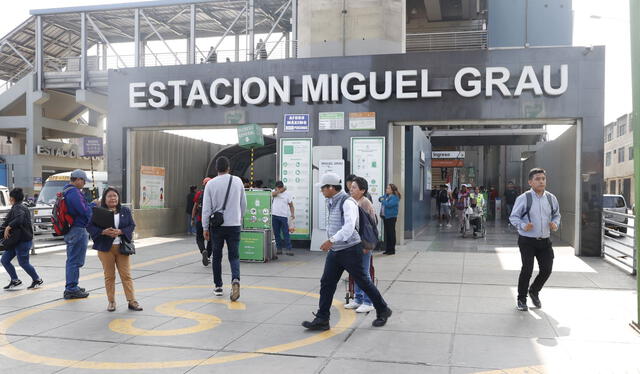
x=224, y=193
x=344, y=253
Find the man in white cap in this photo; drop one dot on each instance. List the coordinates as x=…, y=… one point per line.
x=77, y=238
x=344, y=253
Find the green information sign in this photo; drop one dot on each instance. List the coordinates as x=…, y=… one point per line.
x=252, y=245
x=250, y=136
x=258, y=213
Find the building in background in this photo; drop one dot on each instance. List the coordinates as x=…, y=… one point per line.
x=618, y=158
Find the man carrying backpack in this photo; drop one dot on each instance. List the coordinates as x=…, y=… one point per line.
x=536, y=214
x=77, y=237
x=443, y=200
x=196, y=215
x=344, y=249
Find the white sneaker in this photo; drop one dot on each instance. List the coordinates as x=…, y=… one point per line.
x=448, y=225
x=352, y=305
x=364, y=308
x=217, y=291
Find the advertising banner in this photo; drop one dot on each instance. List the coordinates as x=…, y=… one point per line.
x=331, y=120
x=368, y=161
x=258, y=213
x=251, y=245
x=362, y=121
x=151, y=187
x=296, y=123
x=296, y=174
x=324, y=167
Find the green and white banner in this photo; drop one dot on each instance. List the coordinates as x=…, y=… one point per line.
x=296, y=174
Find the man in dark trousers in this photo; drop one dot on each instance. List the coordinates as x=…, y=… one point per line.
x=535, y=214
x=196, y=215
x=344, y=252
x=191, y=229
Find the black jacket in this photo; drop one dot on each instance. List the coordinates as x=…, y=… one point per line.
x=19, y=218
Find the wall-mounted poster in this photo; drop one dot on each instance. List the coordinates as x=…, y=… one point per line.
x=152, y=193
x=362, y=121
x=324, y=167
x=367, y=161
x=331, y=120
x=296, y=174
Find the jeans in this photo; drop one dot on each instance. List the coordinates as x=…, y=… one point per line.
x=191, y=228
x=349, y=259
x=360, y=296
x=230, y=235
x=281, y=232
x=531, y=248
x=22, y=252
x=200, y=239
x=77, y=240
x=390, y=233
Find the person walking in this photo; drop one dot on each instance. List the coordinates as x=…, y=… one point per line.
x=390, y=204
x=196, y=216
x=224, y=200
x=17, y=233
x=191, y=228
x=107, y=240
x=536, y=214
x=344, y=252
x=510, y=196
x=281, y=209
x=361, y=302
x=443, y=200
x=77, y=238
x=462, y=202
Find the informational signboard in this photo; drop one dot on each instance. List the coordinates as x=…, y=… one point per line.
x=235, y=117
x=151, y=187
x=250, y=136
x=252, y=245
x=439, y=163
x=368, y=161
x=324, y=167
x=296, y=123
x=362, y=121
x=296, y=174
x=452, y=155
x=258, y=213
x=91, y=147
x=331, y=120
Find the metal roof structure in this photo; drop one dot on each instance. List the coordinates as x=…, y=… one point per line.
x=162, y=20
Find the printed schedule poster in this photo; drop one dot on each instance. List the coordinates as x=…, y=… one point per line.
x=331, y=120
x=151, y=187
x=296, y=174
x=367, y=161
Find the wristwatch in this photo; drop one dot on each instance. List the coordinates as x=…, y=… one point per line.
x=332, y=239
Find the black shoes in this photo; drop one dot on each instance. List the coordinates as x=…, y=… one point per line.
x=75, y=294
x=318, y=324
x=382, y=318
x=13, y=284
x=388, y=252
x=205, y=258
x=522, y=305
x=535, y=299
x=35, y=284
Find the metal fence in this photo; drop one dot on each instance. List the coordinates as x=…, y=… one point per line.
x=618, y=243
x=441, y=41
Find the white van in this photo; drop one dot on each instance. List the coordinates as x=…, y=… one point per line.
x=54, y=184
x=4, y=202
x=615, y=203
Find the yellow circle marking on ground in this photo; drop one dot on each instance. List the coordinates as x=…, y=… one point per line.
x=204, y=321
x=347, y=318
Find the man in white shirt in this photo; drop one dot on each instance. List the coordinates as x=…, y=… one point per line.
x=280, y=208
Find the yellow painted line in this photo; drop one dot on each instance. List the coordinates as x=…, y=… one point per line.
x=203, y=321
x=347, y=318
x=93, y=276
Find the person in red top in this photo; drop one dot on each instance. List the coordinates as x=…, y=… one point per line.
x=196, y=215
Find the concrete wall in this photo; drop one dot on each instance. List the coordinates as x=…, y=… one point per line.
x=366, y=27
x=561, y=177
x=185, y=161
x=417, y=210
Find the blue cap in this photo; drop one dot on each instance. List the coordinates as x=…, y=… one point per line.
x=79, y=174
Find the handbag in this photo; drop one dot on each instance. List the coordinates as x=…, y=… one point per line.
x=11, y=242
x=126, y=246
x=217, y=218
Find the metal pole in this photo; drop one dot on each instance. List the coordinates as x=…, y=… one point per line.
x=136, y=39
x=83, y=53
x=634, y=20
x=237, y=56
x=294, y=27
x=39, y=54
x=252, y=46
x=192, y=36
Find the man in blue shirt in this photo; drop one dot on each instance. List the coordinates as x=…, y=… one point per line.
x=536, y=214
x=77, y=237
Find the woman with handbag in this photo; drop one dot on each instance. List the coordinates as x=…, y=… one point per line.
x=114, y=248
x=17, y=236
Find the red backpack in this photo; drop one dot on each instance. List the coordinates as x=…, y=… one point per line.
x=60, y=217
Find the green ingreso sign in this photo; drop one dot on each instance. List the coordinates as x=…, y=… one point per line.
x=250, y=136
x=252, y=245
x=258, y=213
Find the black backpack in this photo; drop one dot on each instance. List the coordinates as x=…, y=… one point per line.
x=367, y=229
x=530, y=203
x=443, y=196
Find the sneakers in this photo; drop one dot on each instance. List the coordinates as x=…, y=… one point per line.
x=352, y=305
x=364, y=308
x=389, y=252
x=133, y=305
x=75, y=295
x=13, y=284
x=318, y=324
x=35, y=284
x=522, y=305
x=205, y=258
x=535, y=299
x=382, y=318
x=235, y=290
x=217, y=291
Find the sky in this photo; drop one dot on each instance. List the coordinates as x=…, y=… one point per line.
x=596, y=22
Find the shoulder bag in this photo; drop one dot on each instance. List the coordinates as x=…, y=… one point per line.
x=126, y=246
x=217, y=218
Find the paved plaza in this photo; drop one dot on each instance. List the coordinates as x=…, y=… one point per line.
x=453, y=301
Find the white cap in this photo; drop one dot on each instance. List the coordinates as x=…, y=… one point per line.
x=330, y=179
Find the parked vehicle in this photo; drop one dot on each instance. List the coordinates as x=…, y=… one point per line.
x=615, y=203
x=54, y=184
x=4, y=202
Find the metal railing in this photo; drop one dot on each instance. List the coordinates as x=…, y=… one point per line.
x=442, y=41
x=621, y=249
